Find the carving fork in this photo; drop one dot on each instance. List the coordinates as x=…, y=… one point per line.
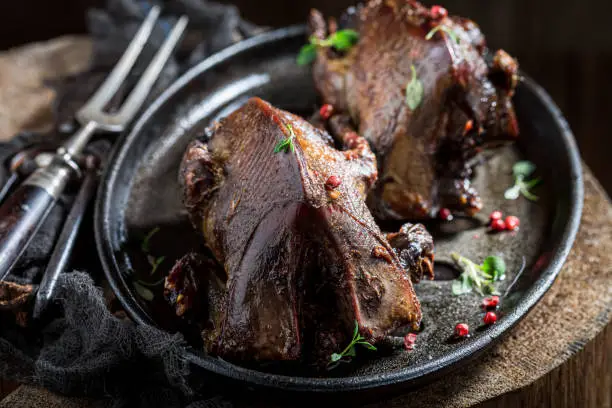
x=22, y=214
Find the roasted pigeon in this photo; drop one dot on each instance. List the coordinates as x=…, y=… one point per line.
x=283, y=212
x=421, y=87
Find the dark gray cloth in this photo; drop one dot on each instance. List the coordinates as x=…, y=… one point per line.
x=80, y=347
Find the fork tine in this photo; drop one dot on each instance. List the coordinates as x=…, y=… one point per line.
x=114, y=80
x=136, y=98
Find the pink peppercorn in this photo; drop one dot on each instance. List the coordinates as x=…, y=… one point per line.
x=332, y=183
x=438, y=12
x=462, y=330
x=409, y=341
x=490, y=318
x=326, y=111
x=490, y=302
x=512, y=223
x=445, y=214
x=495, y=215
x=498, y=225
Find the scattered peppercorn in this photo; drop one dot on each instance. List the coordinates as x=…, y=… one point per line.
x=326, y=111
x=438, y=12
x=490, y=318
x=498, y=225
x=409, y=341
x=332, y=183
x=495, y=215
x=462, y=330
x=445, y=214
x=351, y=140
x=512, y=223
x=490, y=302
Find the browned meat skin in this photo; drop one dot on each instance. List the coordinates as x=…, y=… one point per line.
x=415, y=250
x=423, y=155
x=197, y=293
x=280, y=225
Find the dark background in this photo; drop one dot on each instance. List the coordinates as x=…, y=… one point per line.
x=566, y=45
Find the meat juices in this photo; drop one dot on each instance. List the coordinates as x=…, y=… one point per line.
x=302, y=256
x=424, y=155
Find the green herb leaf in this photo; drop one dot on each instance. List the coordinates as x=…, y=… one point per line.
x=414, y=90
x=480, y=278
x=459, y=288
x=143, y=292
x=343, y=39
x=494, y=263
x=523, y=169
x=145, y=245
x=528, y=195
x=307, y=54
x=155, y=264
x=367, y=345
x=287, y=143
x=150, y=284
x=443, y=29
x=349, y=351
x=513, y=192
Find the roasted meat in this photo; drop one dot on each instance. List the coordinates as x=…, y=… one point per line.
x=425, y=135
x=284, y=214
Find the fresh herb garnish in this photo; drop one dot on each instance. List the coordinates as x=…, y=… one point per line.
x=150, y=284
x=349, y=351
x=444, y=29
x=478, y=277
x=341, y=40
x=287, y=143
x=307, y=54
x=144, y=293
x=146, y=242
x=522, y=170
x=414, y=90
x=155, y=262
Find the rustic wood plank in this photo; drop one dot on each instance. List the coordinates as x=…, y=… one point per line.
x=584, y=381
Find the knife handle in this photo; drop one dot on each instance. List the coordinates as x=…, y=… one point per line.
x=25, y=210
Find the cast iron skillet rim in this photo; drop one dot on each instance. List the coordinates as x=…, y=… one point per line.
x=343, y=384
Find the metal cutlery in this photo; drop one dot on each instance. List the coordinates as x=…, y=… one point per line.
x=24, y=211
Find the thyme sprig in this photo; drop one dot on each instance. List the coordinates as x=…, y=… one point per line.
x=341, y=40
x=443, y=29
x=286, y=144
x=481, y=278
x=345, y=356
x=414, y=90
x=145, y=246
x=521, y=171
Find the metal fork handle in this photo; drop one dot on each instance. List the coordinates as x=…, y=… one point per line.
x=24, y=212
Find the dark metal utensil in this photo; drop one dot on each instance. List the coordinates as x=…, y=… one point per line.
x=63, y=248
x=22, y=165
x=22, y=214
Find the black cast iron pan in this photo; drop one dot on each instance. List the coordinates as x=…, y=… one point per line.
x=139, y=193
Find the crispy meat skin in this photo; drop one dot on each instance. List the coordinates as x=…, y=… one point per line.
x=281, y=235
x=423, y=155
